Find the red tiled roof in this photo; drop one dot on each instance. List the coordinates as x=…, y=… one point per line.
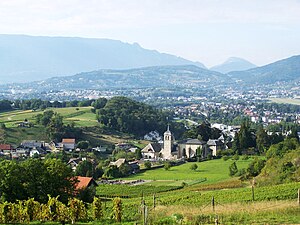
x=83, y=182
x=68, y=140
x=5, y=147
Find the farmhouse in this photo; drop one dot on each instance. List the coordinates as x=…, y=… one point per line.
x=31, y=144
x=68, y=143
x=85, y=182
x=6, y=149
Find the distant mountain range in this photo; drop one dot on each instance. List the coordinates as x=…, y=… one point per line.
x=28, y=58
x=186, y=76
x=233, y=64
x=283, y=70
x=53, y=61
x=148, y=77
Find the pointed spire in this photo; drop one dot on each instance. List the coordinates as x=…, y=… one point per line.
x=168, y=129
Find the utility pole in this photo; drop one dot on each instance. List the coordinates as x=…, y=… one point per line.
x=213, y=203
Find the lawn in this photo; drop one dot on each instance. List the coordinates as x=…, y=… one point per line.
x=213, y=170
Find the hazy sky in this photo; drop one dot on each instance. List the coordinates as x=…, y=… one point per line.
x=208, y=31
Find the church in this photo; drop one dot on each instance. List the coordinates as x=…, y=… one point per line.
x=156, y=151
x=169, y=150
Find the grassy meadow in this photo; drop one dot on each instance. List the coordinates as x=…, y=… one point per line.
x=81, y=116
x=213, y=171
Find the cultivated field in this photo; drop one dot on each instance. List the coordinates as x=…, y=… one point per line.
x=285, y=101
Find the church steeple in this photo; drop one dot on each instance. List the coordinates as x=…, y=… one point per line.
x=168, y=144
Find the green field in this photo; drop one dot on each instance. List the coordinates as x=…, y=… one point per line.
x=285, y=101
x=81, y=116
x=213, y=170
x=233, y=198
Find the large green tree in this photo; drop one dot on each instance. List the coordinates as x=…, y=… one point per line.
x=35, y=178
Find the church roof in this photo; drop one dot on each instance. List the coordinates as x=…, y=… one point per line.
x=155, y=146
x=192, y=142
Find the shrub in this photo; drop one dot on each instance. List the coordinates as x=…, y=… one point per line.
x=147, y=164
x=167, y=165
x=194, y=167
x=225, y=157
x=245, y=157
x=233, y=169
x=235, y=157
x=97, y=209
x=117, y=209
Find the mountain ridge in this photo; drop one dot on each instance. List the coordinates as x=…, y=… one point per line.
x=287, y=69
x=233, y=64
x=27, y=58
x=158, y=76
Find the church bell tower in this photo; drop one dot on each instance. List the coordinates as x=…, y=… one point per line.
x=168, y=144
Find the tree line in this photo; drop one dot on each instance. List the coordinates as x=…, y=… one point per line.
x=128, y=116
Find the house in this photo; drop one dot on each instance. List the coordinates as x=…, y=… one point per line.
x=134, y=167
x=68, y=143
x=99, y=149
x=123, y=146
x=20, y=152
x=73, y=162
x=118, y=163
x=31, y=144
x=6, y=149
x=152, y=136
x=37, y=151
x=151, y=151
x=85, y=182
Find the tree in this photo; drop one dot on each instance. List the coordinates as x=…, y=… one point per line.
x=84, y=168
x=87, y=194
x=83, y=144
x=233, y=169
x=262, y=140
x=56, y=127
x=111, y=172
x=199, y=153
x=167, y=165
x=99, y=103
x=138, y=154
x=255, y=167
x=194, y=167
x=124, y=169
x=3, y=126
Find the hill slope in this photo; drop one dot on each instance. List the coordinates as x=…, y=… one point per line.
x=233, y=64
x=161, y=76
x=283, y=70
x=28, y=58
